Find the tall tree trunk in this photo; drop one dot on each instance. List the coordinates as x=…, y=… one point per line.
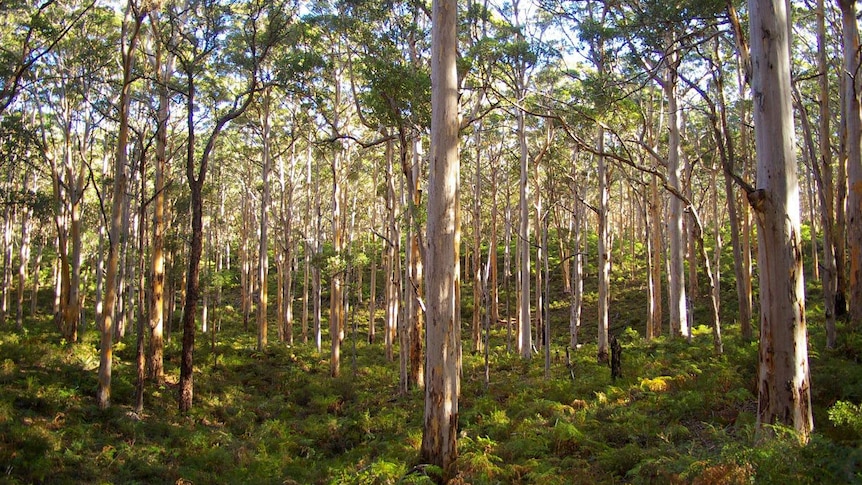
x=693, y=292
x=35, y=271
x=163, y=64
x=546, y=308
x=306, y=261
x=656, y=259
x=577, y=267
x=406, y=311
x=221, y=259
x=743, y=297
x=280, y=269
x=103, y=394
x=290, y=261
x=286, y=249
x=841, y=205
x=493, y=289
x=563, y=227
x=577, y=296
x=393, y=272
x=126, y=285
x=171, y=262
x=245, y=260
x=443, y=352
x=196, y=181
x=507, y=259
x=8, y=218
x=715, y=275
x=676, y=249
x=744, y=210
x=155, y=354
x=74, y=297
x=604, y=249
x=140, y=322
x=810, y=188
x=718, y=346
x=853, y=113
x=195, y=248
x=263, y=248
x=64, y=185
x=318, y=248
x=192, y=291
x=100, y=257
x=336, y=290
x=820, y=171
x=308, y=249
x=60, y=282
x=24, y=252
x=727, y=152
x=372, y=272
x=784, y=383
x=476, y=334
x=541, y=252
x=525, y=343
x=416, y=378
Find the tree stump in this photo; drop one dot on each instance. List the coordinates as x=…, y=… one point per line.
x=616, y=358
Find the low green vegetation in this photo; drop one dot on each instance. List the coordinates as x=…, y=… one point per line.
x=679, y=414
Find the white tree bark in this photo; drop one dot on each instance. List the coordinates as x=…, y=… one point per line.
x=8, y=217
x=308, y=247
x=443, y=336
x=24, y=257
x=604, y=250
x=525, y=343
x=784, y=395
x=393, y=259
x=676, y=239
x=656, y=250
x=263, y=243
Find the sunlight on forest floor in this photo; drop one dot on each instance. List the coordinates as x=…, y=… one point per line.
x=679, y=414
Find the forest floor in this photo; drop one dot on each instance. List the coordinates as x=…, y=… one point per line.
x=678, y=414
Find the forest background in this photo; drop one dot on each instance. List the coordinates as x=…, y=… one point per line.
x=231, y=168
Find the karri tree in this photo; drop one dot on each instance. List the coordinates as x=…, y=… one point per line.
x=196, y=50
x=162, y=63
x=784, y=389
x=853, y=126
x=68, y=116
x=443, y=334
x=135, y=15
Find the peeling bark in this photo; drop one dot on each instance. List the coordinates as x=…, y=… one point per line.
x=784, y=395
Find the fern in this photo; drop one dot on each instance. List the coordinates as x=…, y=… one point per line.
x=844, y=413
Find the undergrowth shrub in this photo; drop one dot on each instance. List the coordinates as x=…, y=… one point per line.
x=143, y=466
x=680, y=414
x=478, y=460
x=567, y=438
x=378, y=472
x=621, y=460
x=527, y=443
x=30, y=446
x=663, y=468
x=783, y=459
x=619, y=424
x=551, y=409
x=543, y=471
x=723, y=473
x=848, y=417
